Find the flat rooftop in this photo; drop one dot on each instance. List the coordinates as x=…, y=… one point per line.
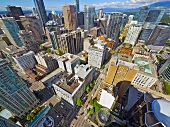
x=68, y=58
x=13, y=49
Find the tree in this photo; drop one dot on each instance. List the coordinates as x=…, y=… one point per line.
x=87, y=89
x=79, y=101
x=49, y=51
x=38, y=108
x=91, y=85
x=102, y=67
x=92, y=111
x=32, y=114
x=35, y=111
x=28, y=118
x=94, y=81
x=91, y=102
x=50, y=104
x=123, y=39
x=97, y=107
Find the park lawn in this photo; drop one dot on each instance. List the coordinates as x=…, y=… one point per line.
x=167, y=87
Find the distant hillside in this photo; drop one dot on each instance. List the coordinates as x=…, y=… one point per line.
x=157, y=4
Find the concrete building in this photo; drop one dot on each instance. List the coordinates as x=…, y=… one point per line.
x=25, y=61
x=40, y=8
x=103, y=25
x=80, y=18
x=11, y=29
x=15, y=95
x=70, y=17
x=147, y=76
x=160, y=35
x=4, y=41
x=113, y=26
x=164, y=71
x=28, y=40
x=89, y=15
x=68, y=61
x=133, y=34
x=46, y=62
x=67, y=43
x=14, y=11
x=7, y=123
x=96, y=54
x=31, y=23
x=72, y=87
x=95, y=31
x=130, y=18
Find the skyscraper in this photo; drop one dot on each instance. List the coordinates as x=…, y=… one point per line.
x=143, y=13
x=153, y=19
x=113, y=25
x=11, y=29
x=160, y=35
x=164, y=71
x=76, y=2
x=14, y=93
x=70, y=16
x=89, y=15
x=6, y=123
x=39, y=5
x=14, y=11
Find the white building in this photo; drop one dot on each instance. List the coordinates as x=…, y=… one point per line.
x=25, y=61
x=71, y=87
x=68, y=62
x=97, y=54
x=130, y=18
x=133, y=34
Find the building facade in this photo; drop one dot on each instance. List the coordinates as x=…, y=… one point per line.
x=96, y=54
x=31, y=23
x=113, y=26
x=143, y=13
x=15, y=95
x=11, y=29
x=89, y=15
x=80, y=18
x=70, y=17
x=165, y=70
x=76, y=2
x=160, y=35
x=39, y=5
x=47, y=61
x=25, y=61
x=133, y=34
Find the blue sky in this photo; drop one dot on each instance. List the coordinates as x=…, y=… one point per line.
x=57, y=4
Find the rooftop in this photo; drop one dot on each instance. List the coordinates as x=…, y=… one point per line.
x=67, y=58
x=13, y=49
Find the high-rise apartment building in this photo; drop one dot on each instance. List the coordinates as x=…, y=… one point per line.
x=70, y=16
x=7, y=123
x=133, y=34
x=11, y=29
x=25, y=61
x=14, y=94
x=96, y=54
x=103, y=25
x=39, y=5
x=14, y=11
x=113, y=26
x=76, y=2
x=143, y=13
x=89, y=15
x=31, y=23
x=160, y=35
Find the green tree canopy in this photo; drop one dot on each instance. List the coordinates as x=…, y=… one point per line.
x=91, y=85
x=28, y=118
x=92, y=111
x=87, y=89
x=79, y=101
x=91, y=102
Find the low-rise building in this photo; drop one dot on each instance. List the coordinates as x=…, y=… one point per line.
x=96, y=54
x=25, y=61
x=46, y=61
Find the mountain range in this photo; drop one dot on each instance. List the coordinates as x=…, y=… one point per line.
x=157, y=4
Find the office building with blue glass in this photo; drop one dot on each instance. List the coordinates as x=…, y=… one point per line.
x=14, y=93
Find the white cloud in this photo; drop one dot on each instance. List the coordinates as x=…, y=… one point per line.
x=126, y=4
